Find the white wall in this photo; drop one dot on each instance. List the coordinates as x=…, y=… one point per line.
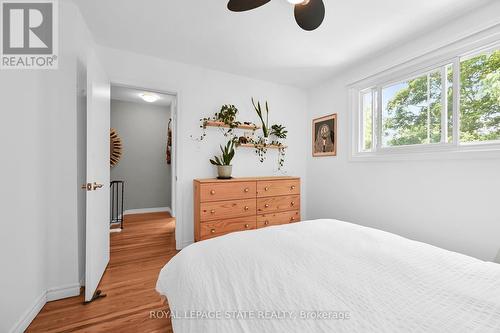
x=25, y=212
x=201, y=94
x=448, y=203
x=38, y=242
x=143, y=167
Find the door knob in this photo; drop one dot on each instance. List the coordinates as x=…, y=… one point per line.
x=95, y=186
x=87, y=187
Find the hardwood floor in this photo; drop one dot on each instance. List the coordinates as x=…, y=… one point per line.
x=137, y=255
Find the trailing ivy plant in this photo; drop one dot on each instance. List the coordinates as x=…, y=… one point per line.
x=281, y=157
x=261, y=148
x=226, y=115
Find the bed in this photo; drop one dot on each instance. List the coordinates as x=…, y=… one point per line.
x=328, y=276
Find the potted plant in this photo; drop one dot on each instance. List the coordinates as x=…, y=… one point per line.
x=265, y=124
x=227, y=115
x=223, y=162
x=279, y=131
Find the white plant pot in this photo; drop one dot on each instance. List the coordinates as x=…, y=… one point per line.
x=225, y=171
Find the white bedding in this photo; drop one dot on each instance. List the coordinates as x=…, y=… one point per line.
x=375, y=281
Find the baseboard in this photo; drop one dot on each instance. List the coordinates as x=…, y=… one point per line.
x=185, y=244
x=71, y=290
x=29, y=315
x=52, y=294
x=147, y=210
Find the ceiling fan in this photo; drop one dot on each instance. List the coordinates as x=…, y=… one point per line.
x=309, y=14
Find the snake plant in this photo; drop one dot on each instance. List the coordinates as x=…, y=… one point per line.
x=227, y=154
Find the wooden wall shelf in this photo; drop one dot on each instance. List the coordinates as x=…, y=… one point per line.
x=222, y=124
x=251, y=145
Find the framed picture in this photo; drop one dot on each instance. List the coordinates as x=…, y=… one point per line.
x=324, y=131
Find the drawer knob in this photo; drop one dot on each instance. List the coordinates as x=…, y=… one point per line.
x=292, y=203
x=292, y=219
x=212, y=231
x=266, y=188
x=266, y=223
x=247, y=226
x=246, y=190
x=247, y=208
x=266, y=205
x=212, y=211
x=212, y=192
x=293, y=187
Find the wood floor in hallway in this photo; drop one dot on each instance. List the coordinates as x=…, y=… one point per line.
x=137, y=255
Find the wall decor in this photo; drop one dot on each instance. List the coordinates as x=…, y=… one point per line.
x=116, y=147
x=324, y=140
x=169, y=142
x=271, y=138
x=225, y=121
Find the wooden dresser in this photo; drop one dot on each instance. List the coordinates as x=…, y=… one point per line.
x=224, y=206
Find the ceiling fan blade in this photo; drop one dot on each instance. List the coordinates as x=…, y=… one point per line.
x=310, y=14
x=244, y=5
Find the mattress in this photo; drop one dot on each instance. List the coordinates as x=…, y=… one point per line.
x=328, y=276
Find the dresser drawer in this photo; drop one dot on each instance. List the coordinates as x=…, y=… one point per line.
x=278, y=204
x=210, y=211
x=222, y=227
x=267, y=220
x=278, y=187
x=227, y=191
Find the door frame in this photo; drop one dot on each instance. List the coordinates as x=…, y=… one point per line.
x=174, y=177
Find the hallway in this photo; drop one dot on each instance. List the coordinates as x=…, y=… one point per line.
x=138, y=253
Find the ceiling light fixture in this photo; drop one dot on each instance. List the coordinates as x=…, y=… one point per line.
x=150, y=98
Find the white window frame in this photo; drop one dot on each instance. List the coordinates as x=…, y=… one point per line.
x=452, y=54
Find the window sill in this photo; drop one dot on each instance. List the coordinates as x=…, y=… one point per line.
x=438, y=152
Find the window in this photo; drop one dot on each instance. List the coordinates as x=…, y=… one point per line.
x=412, y=111
x=423, y=110
x=480, y=97
x=367, y=130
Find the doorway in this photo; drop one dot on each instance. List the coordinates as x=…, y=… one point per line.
x=94, y=123
x=142, y=152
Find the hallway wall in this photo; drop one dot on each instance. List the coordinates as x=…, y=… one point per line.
x=143, y=166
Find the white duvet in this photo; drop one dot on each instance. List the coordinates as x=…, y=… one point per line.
x=328, y=276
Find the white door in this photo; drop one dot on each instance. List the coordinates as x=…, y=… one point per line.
x=98, y=176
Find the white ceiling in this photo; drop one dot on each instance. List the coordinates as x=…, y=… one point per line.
x=265, y=43
x=134, y=95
